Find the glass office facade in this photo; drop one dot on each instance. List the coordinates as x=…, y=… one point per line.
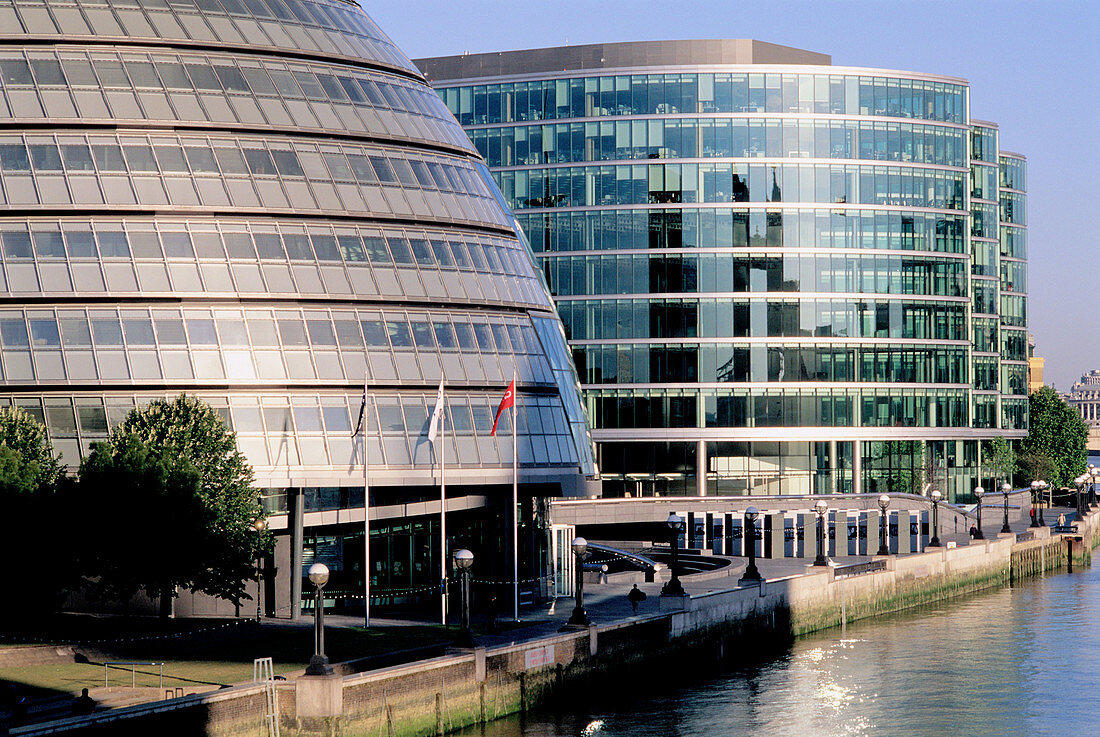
x=774, y=278
x=263, y=204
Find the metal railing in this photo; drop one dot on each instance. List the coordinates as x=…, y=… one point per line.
x=133, y=672
x=858, y=569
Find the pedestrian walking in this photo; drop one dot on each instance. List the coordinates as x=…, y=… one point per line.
x=635, y=596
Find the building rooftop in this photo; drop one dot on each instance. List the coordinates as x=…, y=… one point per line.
x=630, y=54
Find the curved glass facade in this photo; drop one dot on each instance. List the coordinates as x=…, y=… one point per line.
x=262, y=203
x=776, y=278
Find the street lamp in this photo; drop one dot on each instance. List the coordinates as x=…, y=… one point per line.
x=979, y=492
x=673, y=587
x=259, y=526
x=1006, y=489
x=463, y=560
x=752, y=575
x=821, y=508
x=1043, y=487
x=1034, y=503
x=318, y=664
x=579, y=616
x=936, y=497
x=1082, y=503
x=883, y=524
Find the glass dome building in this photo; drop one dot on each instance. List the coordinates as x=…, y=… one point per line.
x=261, y=203
x=776, y=276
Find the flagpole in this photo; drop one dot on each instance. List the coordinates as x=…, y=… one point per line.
x=515, y=502
x=443, y=510
x=366, y=509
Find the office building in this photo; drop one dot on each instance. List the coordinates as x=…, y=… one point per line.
x=776, y=276
x=264, y=205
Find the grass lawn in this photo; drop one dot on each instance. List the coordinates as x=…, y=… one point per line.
x=215, y=655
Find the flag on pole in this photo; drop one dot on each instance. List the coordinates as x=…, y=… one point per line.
x=509, y=400
x=437, y=415
x=362, y=414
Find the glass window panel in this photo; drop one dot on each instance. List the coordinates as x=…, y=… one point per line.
x=45, y=157
x=13, y=157
x=76, y=332
x=170, y=331
x=307, y=419
x=178, y=245
x=200, y=331
x=140, y=158
x=423, y=335
x=108, y=157
x=17, y=244
x=16, y=72
x=13, y=332
x=113, y=244
x=170, y=159
x=287, y=163
x=337, y=420
x=400, y=337
x=239, y=245
x=107, y=331
x=325, y=247
x=320, y=332
x=80, y=244
x=44, y=332
x=348, y=334
x=259, y=162
x=49, y=244
x=78, y=157
x=201, y=159
x=48, y=71
x=270, y=246
x=297, y=246
x=139, y=331
x=375, y=334
x=292, y=333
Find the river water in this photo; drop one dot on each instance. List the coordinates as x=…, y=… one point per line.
x=1015, y=661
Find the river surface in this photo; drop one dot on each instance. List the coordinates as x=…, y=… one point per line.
x=1015, y=661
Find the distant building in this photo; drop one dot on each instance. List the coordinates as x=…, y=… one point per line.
x=776, y=275
x=1085, y=398
x=1034, y=367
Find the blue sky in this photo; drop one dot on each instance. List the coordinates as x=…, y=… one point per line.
x=1033, y=69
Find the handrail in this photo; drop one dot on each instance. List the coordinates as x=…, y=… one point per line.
x=856, y=569
x=636, y=557
x=133, y=671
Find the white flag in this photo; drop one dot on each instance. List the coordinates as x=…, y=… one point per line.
x=437, y=415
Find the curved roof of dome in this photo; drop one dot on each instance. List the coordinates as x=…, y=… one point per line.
x=303, y=28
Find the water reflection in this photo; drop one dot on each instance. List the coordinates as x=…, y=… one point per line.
x=1021, y=661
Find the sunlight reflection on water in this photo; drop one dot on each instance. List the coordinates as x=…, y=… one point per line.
x=1020, y=661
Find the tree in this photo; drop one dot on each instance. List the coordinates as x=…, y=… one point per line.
x=27, y=461
x=1000, y=459
x=33, y=525
x=1056, y=442
x=173, y=504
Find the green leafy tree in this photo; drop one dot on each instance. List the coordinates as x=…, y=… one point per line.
x=1000, y=461
x=34, y=525
x=1056, y=446
x=27, y=461
x=173, y=505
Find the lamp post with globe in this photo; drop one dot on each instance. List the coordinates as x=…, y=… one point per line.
x=883, y=525
x=463, y=560
x=673, y=587
x=318, y=664
x=1006, y=489
x=979, y=492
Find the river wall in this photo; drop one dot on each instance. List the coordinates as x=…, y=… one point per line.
x=441, y=694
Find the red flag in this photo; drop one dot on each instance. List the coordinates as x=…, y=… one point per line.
x=508, y=401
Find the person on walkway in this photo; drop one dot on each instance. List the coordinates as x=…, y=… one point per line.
x=635, y=596
x=83, y=704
